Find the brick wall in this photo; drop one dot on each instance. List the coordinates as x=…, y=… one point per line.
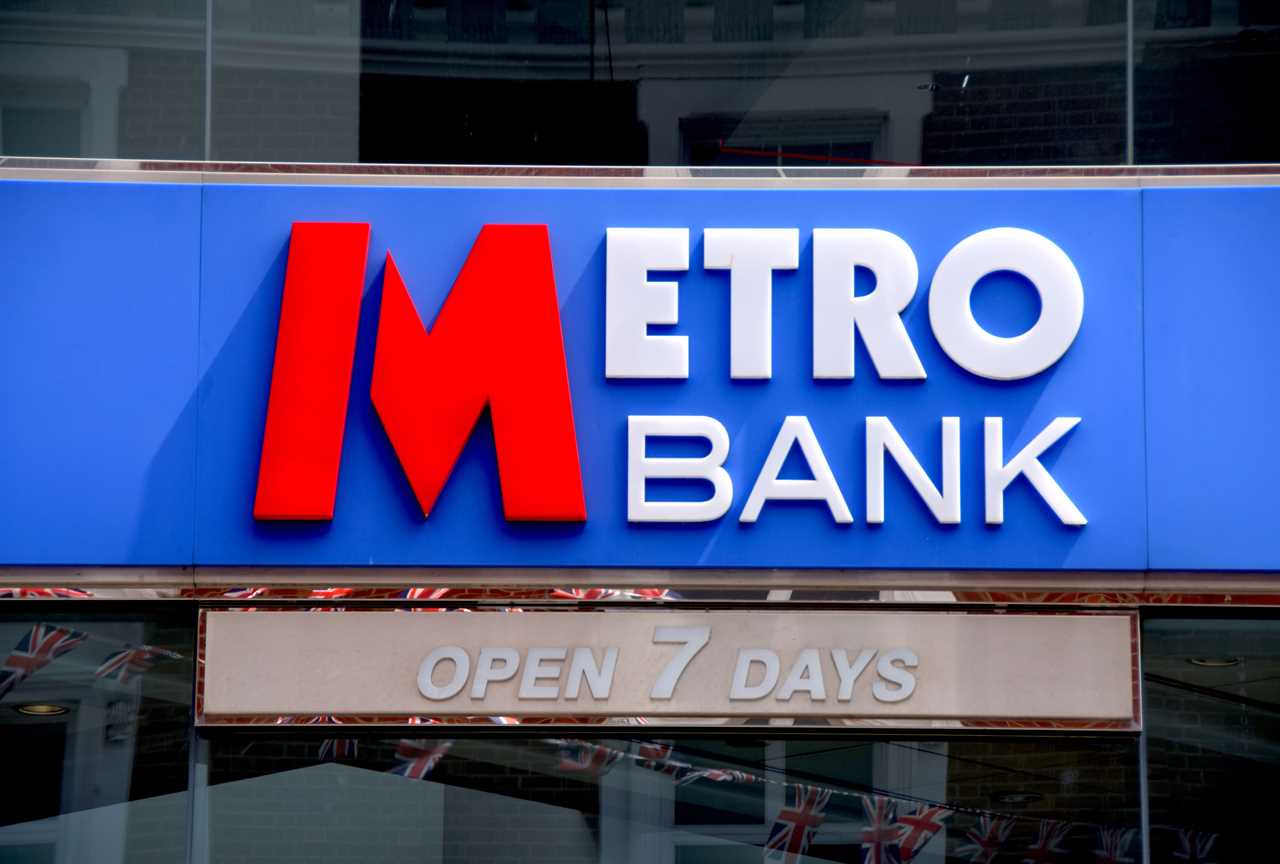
x=1066, y=115
x=162, y=106
x=282, y=115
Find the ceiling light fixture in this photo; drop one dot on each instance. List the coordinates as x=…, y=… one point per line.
x=42, y=709
x=1214, y=662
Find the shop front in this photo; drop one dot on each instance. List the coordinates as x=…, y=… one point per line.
x=556, y=516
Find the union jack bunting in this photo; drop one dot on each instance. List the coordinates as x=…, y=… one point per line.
x=415, y=758
x=504, y=721
x=43, y=593
x=880, y=841
x=716, y=775
x=130, y=662
x=610, y=593
x=244, y=593
x=37, y=648
x=986, y=838
x=653, y=594
x=919, y=827
x=1195, y=847
x=584, y=593
x=654, y=751
x=588, y=758
x=796, y=823
x=1049, y=844
x=1113, y=846
x=339, y=748
x=424, y=594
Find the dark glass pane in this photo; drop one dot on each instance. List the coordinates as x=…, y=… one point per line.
x=1204, y=81
x=95, y=716
x=626, y=799
x=111, y=78
x=792, y=83
x=1212, y=709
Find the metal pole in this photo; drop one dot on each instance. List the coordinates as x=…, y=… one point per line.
x=1129, y=115
x=209, y=80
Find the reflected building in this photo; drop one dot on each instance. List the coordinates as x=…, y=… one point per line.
x=813, y=83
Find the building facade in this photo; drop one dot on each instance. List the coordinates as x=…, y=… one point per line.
x=687, y=432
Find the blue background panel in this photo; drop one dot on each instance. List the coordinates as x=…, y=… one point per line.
x=430, y=231
x=99, y=288
x=1210, y=264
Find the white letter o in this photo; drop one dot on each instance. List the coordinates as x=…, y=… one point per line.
x=999, y=357
x=461, y=669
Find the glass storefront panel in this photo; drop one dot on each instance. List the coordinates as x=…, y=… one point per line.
x=670, y=82
x=95, y=716
x=114, y=78
x=1212, y=705
x=1204, y=81
x=694, y=800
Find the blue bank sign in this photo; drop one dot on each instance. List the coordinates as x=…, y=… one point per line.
x=740, y=378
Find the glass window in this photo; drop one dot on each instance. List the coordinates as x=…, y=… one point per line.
x=692, y=800
x=670, y=82
x=95, y=716
x=110, y=78
x=1204, y=81
x=1212, y=706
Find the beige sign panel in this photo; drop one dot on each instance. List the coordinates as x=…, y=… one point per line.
x=854, y=665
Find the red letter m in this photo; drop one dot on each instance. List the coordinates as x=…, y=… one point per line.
x=496, y=343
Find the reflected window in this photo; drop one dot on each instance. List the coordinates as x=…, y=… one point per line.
x=1212, y=706
x=95, y=715
x=1204, y=81
x=843, y=83
x=119, y=79
x=696, y=800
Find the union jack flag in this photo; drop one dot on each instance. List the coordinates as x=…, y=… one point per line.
x=584, y=593
x=244, y=593
x=339, y=748
x=504, y=721
x=424, y=594
x=1194, y=847
x=331, y=593
x=716, y=775
x=42, y=593
x=654, y=751
x=656, y=756
x=986, y=838
x=1048, y=846
x=796, y=823
x=920, y=826
x=37, y=648
x=415, y=757
x=588, y=758
x=132, y=660
x=610, y=593
x=653, y=594
x=1114, y=846
x=880, y=841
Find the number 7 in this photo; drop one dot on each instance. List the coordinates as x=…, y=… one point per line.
x=694, y=640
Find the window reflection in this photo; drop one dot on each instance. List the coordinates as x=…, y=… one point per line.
x=696, y=800
x=1203, y=74
x=1212, y=705
x=667, y=82
x=95, y=712
x=118, y=78
x=791, y=83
